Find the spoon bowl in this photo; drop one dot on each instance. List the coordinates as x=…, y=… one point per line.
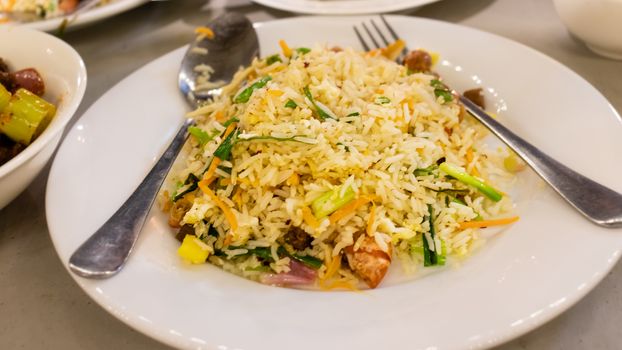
x=234, y=44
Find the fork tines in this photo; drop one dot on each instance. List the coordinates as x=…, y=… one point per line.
x=378, y=36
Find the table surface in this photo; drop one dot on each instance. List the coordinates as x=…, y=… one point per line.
x=42, y=307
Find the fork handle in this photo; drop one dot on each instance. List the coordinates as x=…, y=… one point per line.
x=596, y=202
x=107, y=250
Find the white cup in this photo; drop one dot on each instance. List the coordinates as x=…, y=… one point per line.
x=597, y=22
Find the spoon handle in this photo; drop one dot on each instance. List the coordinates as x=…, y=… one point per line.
x=107, y=250
x=596, y=202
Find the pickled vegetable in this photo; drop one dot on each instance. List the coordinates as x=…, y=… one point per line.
x=25, y=116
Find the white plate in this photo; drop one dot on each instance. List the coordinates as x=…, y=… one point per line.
x=523, y=277
x=343, y=7
x=90, y=16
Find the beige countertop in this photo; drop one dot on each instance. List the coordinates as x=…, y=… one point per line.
x=41, y=307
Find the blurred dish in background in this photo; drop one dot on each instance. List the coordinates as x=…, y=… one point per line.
x=343, y=7
x=51, y=15
x=33, y=10
x=597, y=22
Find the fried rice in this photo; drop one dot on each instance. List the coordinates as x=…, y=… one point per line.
x=334, y=165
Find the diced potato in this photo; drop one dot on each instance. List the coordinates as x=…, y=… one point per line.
x=193, y=250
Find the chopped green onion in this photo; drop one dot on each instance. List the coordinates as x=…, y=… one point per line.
x=290, y=104
x=295, y=138
x=382, y=100
x=260, y=268
x=467, y=179
x=224, y=150
x=445, y=94
x=437, y=84
x=425, y=171
x=200, y=135
x=191, y=183
x=429, y=255
x=261, y=252
x=303, y=50
x=230, y=121
x=353, y=114
x=453, y=191
x=441, y=257
x=441, y=90
x=308, y=260
x=273, y=59
x=321, y=113
x=331, y=201
x=245, y=95
x=344, y=146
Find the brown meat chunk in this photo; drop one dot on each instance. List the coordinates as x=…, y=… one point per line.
x=186, y=229
x=9, y=149
x=3, y=66
x=30, y=80
x=298, y=238
x=476, y=96
x=67, y=6
x=177, y=212
x=418, y=61
x=369, y=262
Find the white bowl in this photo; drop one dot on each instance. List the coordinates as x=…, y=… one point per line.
x=64, y=75
x=597, y=22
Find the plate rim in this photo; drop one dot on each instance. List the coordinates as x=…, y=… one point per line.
x=344, y=7
x=505, y=335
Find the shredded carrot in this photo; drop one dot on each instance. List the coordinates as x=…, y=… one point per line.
x=237, y=198
x=225, y=181
x=219, y=116
x=339, y=284
x=287, y=52
x=394, y=49
x=208, y=32
x=372, y=218
x=309, y=218
x=293, y=180
x=469, y=155
x=244, y=181
x=209, y=174
x=332, y=268
x=203, y=185
x=488, y=223
x=349, y=209
x=275, y=93
x=475, y=172
x=379, y=91
x=229, y=130
x=228, y=239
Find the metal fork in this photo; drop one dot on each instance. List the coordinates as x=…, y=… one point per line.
x=596, y=202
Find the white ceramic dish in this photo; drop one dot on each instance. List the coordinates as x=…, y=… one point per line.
x=522, y=278
x=343, y=7
x=93, y=15
x=597, y=22
x=64, y=75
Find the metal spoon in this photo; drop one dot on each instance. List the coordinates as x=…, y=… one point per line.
x=235, y=44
